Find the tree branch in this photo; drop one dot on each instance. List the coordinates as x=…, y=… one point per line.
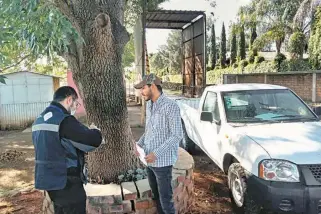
x=15, y=64
x=307, y=25
x=74, y=56
x=66, y=9
x=121, y=35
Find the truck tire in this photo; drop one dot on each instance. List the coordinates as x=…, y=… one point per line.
x=190, y=145
x=241, y=201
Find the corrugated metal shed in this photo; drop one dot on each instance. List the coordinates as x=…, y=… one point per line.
x=24, y=96
x=171, y=19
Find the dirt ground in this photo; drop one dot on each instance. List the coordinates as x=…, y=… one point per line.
x=211, y=191
x=16, y=162
x=17, y=168
x=30, y=202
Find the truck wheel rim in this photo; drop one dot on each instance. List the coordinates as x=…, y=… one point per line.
x=237, y=191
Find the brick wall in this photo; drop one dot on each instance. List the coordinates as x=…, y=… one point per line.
x=136, y=197
x=251, y=79
x=301, y=83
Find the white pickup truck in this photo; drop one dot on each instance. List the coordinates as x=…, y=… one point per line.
x=265, y=138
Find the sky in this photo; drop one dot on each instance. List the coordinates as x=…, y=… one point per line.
x=225, y=10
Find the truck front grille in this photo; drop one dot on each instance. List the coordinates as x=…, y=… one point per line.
x=316, y=171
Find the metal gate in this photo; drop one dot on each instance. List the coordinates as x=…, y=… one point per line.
x=193, y=57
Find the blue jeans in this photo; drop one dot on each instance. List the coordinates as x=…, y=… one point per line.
x=160, y=181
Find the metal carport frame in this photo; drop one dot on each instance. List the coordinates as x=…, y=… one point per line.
x=193, y=27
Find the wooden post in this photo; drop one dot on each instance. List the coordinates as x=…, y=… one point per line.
x=143, y=109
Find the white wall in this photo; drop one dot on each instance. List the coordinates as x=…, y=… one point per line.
x=25, y=87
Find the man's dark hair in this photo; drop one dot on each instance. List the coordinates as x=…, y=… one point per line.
x=64, y=92
x=159, y=87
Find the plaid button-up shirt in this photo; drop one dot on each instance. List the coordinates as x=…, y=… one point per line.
x=163, y=131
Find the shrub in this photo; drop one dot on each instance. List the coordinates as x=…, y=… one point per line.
x=243, y=63
x=266, y=67
x=216, y=76
x=251, y=57
x=133, y=175
x=295, y=65
x=259, y=59
x=296, y=45
x=279, y=58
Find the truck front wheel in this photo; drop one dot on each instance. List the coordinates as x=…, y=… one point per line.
x=241, y=201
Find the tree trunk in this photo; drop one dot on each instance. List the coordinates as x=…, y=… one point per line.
x=278, y=45
x=96, y=67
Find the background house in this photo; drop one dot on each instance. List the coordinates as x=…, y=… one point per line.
x=24, y=96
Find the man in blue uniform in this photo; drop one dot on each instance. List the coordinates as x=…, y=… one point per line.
x=60, y=142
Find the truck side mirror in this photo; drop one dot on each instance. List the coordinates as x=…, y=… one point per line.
x=207, y=116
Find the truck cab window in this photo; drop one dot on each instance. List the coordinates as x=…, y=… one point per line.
x=211, y=105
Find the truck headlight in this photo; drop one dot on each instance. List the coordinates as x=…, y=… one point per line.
x=279, y=170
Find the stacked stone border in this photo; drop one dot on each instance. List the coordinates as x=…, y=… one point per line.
x=136, y=197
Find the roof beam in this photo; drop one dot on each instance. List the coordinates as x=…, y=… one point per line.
x=176, y=12
x=169, y=27
x=169, y=21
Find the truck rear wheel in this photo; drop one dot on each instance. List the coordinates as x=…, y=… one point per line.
x=190, y=145
x=241, y=200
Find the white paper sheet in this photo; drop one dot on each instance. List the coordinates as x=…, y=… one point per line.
x=141, y=154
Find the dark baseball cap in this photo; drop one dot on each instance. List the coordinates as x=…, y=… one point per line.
x=148, y=79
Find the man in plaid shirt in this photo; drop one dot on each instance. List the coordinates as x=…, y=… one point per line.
x=161, y=139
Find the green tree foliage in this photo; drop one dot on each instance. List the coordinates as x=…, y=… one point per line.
x=275, y=18
x=129, y=53
x=223, y=47
x=315, y=41
x=252, y=50
x=241, y=47
x=253, y=36
x=168, y=58
x=213, y=47
x=209, y=22
x=39, y=29
x=133, y=9
x=233, y=45
x=31, y=30
x=296, y=45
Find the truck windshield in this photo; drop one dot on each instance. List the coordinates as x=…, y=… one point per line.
x=265, y=105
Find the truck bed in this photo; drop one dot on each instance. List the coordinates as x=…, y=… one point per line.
x=184, y=101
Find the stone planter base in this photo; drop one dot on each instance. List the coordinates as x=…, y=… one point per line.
x=136, y=197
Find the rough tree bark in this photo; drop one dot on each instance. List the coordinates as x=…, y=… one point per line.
x=96, y=67
x=278, y=46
